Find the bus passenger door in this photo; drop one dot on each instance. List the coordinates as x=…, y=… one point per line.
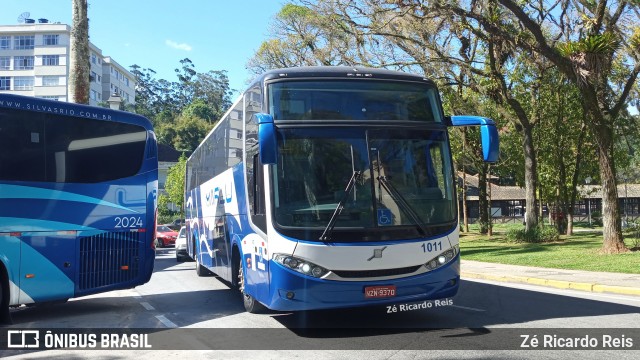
x=220, y=248
x=48, y=266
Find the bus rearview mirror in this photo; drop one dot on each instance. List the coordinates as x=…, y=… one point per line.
x=488, y=134
x=266, y=138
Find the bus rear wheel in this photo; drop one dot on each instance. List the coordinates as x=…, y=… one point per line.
x=250, y=304
x=201, y=270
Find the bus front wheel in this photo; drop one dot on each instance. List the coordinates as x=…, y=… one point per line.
x=250, y=304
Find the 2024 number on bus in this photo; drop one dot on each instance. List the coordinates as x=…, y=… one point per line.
x=128, y=222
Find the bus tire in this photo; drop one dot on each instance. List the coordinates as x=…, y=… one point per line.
x=200, y=270
x=235, y=265
x=5, y=315
x=251, y=305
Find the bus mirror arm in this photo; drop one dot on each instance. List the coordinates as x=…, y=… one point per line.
x=267, y=144
x=488, y=133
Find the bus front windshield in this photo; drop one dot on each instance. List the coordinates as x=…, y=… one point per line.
x=403, y=188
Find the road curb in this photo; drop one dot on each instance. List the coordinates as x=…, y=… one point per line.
x=559, y=284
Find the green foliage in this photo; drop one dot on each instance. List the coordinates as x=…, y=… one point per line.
x=195, y=95
x=174, y=192
x=200, y=109
x=604, y=43
x=632, y=233
x=185, y=133
x=538, y=234
x=596, y=218
x=164, y=214
x=174, y=186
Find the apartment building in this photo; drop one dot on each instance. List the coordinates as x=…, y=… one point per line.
x=34, y=61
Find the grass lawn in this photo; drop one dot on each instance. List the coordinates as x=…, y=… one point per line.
x=578, y=252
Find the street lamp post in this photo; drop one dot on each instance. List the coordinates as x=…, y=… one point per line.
x=588, y=181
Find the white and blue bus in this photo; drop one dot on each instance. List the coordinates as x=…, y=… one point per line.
x=329, y=187
x=77, y=200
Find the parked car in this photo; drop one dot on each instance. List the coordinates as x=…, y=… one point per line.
x=165, y=236
x=175, y=224
x=181, y=246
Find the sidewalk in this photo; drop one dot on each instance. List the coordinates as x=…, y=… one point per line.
x=601, y=282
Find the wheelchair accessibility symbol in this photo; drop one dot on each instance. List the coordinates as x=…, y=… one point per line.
x=385, y=217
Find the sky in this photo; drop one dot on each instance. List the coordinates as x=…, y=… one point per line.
x=157, y=34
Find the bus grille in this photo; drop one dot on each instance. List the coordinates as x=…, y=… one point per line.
x=108, y=259
x=376, y=273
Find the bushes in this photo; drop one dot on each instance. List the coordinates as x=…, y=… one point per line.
x=537, y=234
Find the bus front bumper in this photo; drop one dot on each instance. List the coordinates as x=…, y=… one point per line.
x=292, y=291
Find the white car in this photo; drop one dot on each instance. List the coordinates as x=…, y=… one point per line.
x=181, y=246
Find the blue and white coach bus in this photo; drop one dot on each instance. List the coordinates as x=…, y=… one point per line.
x=328, y=187
x=77, y=200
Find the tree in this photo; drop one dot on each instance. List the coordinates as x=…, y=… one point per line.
x=79, y=65
x=185, y=134
x=174, y=186
x=583, y=40
x=163, y=101
x=595, y=45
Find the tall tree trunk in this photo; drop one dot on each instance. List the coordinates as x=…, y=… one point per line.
x=483, y=201
x=465, y=212
x=611, y=228
x=530, y=178
x=79, y=65
x=574, y=180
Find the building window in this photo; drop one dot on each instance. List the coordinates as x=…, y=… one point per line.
x=5, y=83
x=50, y=39
x=93, y=77
x=93, y=95
x=99, y=79
x=23, y=83
x=50, y=80
x=49, y=97
x=126, y=81
x=50, y=60
x=5, y=42
x=23, y=63
x=24, y=42
x=5, y=63
x=94, y=59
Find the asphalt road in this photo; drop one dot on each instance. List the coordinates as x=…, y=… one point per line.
x=485, y=320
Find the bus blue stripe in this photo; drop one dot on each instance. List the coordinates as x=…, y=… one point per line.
x=28, y=192
x=10, y=224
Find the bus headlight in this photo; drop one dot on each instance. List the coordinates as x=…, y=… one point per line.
x=301, y=266
x=443, y=258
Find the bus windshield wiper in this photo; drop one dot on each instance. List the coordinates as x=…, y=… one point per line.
x=404, y=204
x=326, y=235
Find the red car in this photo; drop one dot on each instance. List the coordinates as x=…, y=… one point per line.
x=165, y=236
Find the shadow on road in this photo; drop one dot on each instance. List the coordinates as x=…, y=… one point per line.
x=479, y=312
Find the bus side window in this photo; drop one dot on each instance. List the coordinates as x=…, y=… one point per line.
x=257, y=189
